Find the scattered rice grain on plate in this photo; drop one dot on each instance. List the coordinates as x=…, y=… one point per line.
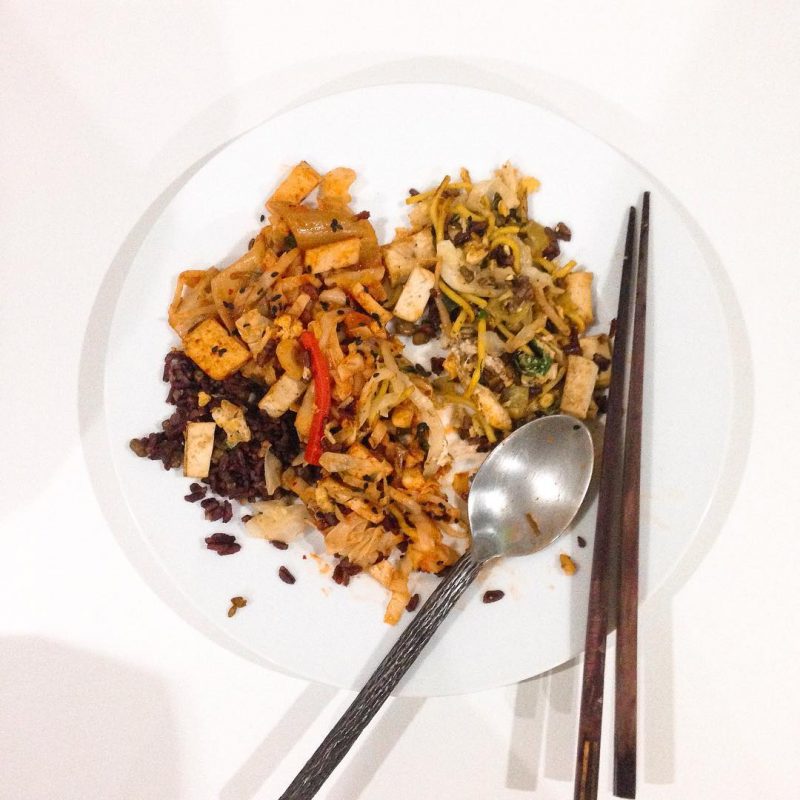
x=286, y=576
x=236, y=603
x=223, y=544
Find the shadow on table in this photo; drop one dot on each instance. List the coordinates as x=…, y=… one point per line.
x=248, y=779
x=348, y=782
x=74, y=724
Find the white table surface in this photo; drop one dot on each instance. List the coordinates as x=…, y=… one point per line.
x=105, y=109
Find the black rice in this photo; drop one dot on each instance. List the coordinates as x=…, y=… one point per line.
x=412, y=604
x=223, y=544
x=279, y=545
x=345, y=570
x=437, y=365
x=493, y=595
x=562, y=232
x=602, y=362
x=573, y=348
x=286, y=576
x=238, y=472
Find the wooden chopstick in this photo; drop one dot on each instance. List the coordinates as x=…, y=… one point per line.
x=591, y=713
x=625, y=688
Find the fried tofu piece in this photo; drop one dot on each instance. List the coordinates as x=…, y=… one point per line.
x=369, y=303
x=197, y=449
x=423, y=244
x=578, y=386
x=415, y=295
x=334, y=189
x=347, y=277
x=399, y=258
x=344, y=253
x=297, y=185
x=214, y=350
x=578, y=287
x=285, y=391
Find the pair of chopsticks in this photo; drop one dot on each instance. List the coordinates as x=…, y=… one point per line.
x=617, y=536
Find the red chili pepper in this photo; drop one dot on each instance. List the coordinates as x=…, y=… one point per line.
x=322, y=395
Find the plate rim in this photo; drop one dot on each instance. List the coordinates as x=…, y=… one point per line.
x=416, y=85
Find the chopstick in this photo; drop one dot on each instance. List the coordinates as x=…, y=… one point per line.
x=591, y=713
x=625, y=686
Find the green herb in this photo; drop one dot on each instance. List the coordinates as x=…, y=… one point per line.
x=290, y=242
x=536, y=363
x=481, y=314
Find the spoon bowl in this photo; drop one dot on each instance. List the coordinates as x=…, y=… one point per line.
x=530, y=487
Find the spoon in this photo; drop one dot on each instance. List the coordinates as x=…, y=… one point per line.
x=523, y=497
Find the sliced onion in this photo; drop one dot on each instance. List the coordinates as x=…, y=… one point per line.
x=437, y=444
x=277, y=521
x=523, y=336
x=272, y=472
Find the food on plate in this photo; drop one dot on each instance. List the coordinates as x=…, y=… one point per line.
x=298, y=386
x=223, y=544
x=236, y=603
x=567, y=564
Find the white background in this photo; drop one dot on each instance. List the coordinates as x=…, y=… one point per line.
x=105, y=109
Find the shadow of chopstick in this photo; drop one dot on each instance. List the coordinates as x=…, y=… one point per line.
x=246, y=782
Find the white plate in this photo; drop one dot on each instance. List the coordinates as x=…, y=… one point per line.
x=397, y=137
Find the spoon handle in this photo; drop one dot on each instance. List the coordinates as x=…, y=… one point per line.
x=395, y=664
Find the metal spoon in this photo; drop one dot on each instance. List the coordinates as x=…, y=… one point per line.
x=523, y=497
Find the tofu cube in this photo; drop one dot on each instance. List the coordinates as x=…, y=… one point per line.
x=297, y=185
x=214, y=350
x=415, y=295
x=578, y=286
x=578, y=386
x=344, y=253
x=369, y=303
x=197, y=449
x=399, y=258
x=598, y=346
x=285, y=391
x=423, y=244
x=335, y=186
